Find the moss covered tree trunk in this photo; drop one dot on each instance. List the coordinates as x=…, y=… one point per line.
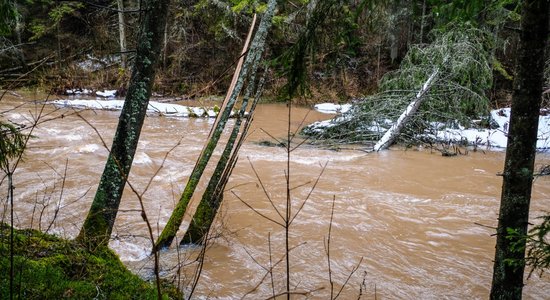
x=99, y=223
x=211, y=199
x=213, y=195
x=257, y=46
x=520, y=153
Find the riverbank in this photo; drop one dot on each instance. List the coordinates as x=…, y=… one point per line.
x=49, y=267
x=492, y=137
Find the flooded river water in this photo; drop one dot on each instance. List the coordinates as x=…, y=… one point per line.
x=420, y=222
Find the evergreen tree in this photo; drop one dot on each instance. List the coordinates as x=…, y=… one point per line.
x=509, y=262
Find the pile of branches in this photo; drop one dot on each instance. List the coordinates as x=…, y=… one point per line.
x=462, y=60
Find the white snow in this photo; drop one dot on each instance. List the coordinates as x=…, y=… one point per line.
x=106, y=93
x=489, y=138
x=165, y=109
x=331, y=108
x=484, y=137
x=78, y=92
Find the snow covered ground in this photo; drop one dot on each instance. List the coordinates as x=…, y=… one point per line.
x=101, y=94
x=330, y=108
x=106, y=93
x=489, y=138
x=166, y=109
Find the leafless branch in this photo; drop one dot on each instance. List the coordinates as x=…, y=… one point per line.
x=264, y=189
x=256, y=211
x=310, y=192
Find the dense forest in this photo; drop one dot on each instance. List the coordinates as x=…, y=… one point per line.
x=409, y=69
x=82, y=44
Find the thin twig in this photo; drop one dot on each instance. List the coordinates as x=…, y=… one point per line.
x=264, y=189
x=310, y=192
x=256, y=211
x=327, y=249
x=58, y=206
x=349, y=276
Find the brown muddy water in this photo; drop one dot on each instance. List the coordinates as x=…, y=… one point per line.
x=420, y=222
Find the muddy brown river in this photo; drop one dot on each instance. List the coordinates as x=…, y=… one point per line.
x=420, y=222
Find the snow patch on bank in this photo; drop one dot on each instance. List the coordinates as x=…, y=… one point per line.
x=166, y=109
x=490, y=138
x=106, y=93
x=78, y=92
x=331, y=108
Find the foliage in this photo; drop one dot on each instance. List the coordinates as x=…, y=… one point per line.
x=8, y=16
x=346, y=55
x=48, y=267
x=537, y=243
x=330, y=30
x=462, y=59
x=293, y=62
x=457, y=10
x=40, y=27
x=473, y=12
x=12, y=143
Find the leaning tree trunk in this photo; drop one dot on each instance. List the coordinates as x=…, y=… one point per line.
x=99, y=223
x=509, y=261
x=202, y=220
x=170, y=230
x=257, y=46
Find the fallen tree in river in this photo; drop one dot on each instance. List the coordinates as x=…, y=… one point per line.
x=446, y=82
x=411, y=109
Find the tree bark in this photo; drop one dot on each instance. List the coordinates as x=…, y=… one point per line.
x=99, y=222
x=392, y=133
x=422, y=21
x=122, y=32
x=509, y=261
x=257, y=46
x=213, y=195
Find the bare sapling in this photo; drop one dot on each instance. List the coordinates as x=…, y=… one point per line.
x=13, y=143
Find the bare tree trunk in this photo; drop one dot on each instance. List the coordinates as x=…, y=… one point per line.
x=122, y=32
x=164, y=46
x=392, y=133
x=509, y=262
x=21, y=54
x=98, y=225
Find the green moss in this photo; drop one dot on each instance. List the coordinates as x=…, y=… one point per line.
x=202, y=220
x=47, y=267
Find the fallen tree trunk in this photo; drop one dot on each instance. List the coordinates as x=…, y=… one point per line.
x=392, y=133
